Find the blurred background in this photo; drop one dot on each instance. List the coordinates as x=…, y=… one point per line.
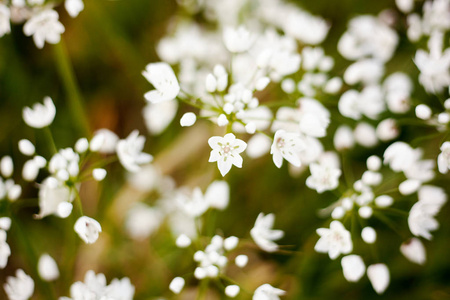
x=109, y=44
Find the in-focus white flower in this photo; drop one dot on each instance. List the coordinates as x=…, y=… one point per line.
x=88, y=229
x=232, y=290
x=379, y=277
x=47, y=268
x=225, y=150
x=443, y=159
x=40, y=115
x=267, y=292
x=176, y=285
x=74, y=7
x=335, y=240
x=162, y=77
x=353, y=267
x=20, y=287
x=263, y=234
x=414, y=251
x=286, y=145
x=44, y=26
x=323, y=177
x=237, y=40
x=130, y=152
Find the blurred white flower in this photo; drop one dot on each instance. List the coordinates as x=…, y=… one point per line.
x=218, y=194
x=241, y=260
x=443, y=159
x=267, y=292
x=158, y=116
x=74, y=7
x=99, y=174
x=6, y=166
x=47, y=268
x=335, y=240
x=104, y=141
x=176, y=285
x=188, y=119
x=225, y=150
x=40, y=115
x=238, y=40
x=434, y=69
x=26, y=147
x=5, y=22
x=44, y=26
x=286, y=145
x=414, y=251
x=232, y=290
x=162, y=77
x=20, y=287
x=323, y=177
x=379, y=277
x=5, y=250
x=263, y=234
x=130, y=153
x=52, y=194
x=88, y=229
x=353, y=267
x=142, y=220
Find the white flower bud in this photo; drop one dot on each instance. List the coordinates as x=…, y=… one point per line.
x=365, y=135
x=423, y=112
x=353, y=267
x=409, y=186
x=405, y=6
x=64, y=209
x=365, y=212
x=26, y=147
x=212, y=271
x=371, y=178
x=222, y=120
x=228, y=108
x=444, y=118
x=97, y=142
x=414, y=251
x=199, y=256
x=384, y=201
x=210, y=83
x=374, y=163
x=73, y=169
x=232, y=291
x=333, y=85
x=6, y=166
x=62, y=175
x=176, y=285
x=99, y=174
x=5, y=223
x=82, y=145
x=347, y=203
x=379, y=277
x=222, y=261
x=30, y=170
x=447, y=103
x=343, y=138
x=47, y=268
x=230, y=243
x=183, y=241
x=288, y=85
x=200, y=273
x=262, y=83
x=338, y=212
x=250, y=128
x=241, y=260
x=188, y=119
x=40, y=115
x=14, y=192
x=74, y=7
x=88, y=229
x=387, y=130
x=369, y=235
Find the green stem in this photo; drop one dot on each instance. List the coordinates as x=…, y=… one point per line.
x=51, y=141
x=68, y=78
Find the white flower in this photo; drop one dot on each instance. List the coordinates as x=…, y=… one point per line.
x=434, y=70
x=162, y=77
x=343, y=138
x=241, y=260
x=176, y=285
x=88, y=229
x=188, y=119
x=267, y=292
x=99, y=174
x=158, y=116
x=5, y=23
x=263, y=234
x=414, y=250
x=258, y=145
x=379, y=277
x=368, y=234
x=20, y=287
x=192, y=203
x=353, y=267
x=5, y=250
x=183, y=241
x=74, y=7
x=130, y=153
x=286, y=145
x=443, y=159
x=104, y=141
x=335, y=240
x=47, y=268
x=323, y=177
x=44, y=26
x=53, y=195
x=232, y=290
x=237, y=40
x=225, y=150
x=40, y=115
x=6, y=166
x=142, y=220
x=218, y=194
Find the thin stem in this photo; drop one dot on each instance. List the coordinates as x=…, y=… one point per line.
x=68, y=78
x=51, y=141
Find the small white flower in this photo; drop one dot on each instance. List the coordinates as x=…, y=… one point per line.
x=130, y=152
x=82, y=145
x=176, y=285
x=414, y=250
x=183, y=241
x=379, y=277
x=142, y=220
x=188, y=119
x=47, y=268
x=225, y=150
x=369, y=235
x=158, y=116
x=267, y=292
x=74, y=7
x=343, y=138
x=104, y=141
x=443, y=159
x=218, y=194
x=5, y=22
x=230, y=243
x=263, y=234
x=20, y=287
x=241, y=260
x=26, y=147
x=88, y=229
x=99, y=174
x=40, y=115
x=323, y=177
x=286, y=145
x=44, y=26
x=232, y=290
x=52, y=194
x=335, y=240
x=353, y=267
x=237, y=40
x=162, y=77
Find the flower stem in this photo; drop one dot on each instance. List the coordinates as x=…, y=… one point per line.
x=68, y=78
x=51, y=141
